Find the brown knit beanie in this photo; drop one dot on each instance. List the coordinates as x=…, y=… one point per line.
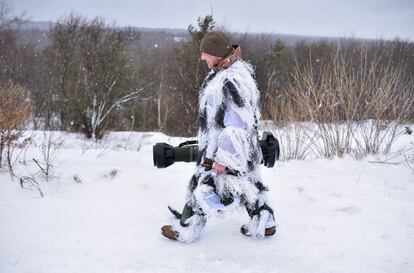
x=216, y=43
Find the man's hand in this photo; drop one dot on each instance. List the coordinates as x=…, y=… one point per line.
x=219, y=169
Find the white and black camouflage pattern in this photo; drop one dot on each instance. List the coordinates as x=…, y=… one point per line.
x=228, y=133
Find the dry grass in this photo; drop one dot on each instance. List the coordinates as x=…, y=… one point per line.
x=353, y=108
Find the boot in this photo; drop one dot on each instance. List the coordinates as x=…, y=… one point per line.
x=168, y=232
x=268, y=231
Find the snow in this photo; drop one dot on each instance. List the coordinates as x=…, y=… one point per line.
x=339, y=215
x=178, y=39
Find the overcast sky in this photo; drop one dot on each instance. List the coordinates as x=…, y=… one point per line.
x=350, y=18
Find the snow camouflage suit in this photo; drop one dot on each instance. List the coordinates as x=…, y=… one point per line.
x=228, y=134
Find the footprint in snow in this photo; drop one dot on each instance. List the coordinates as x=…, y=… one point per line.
x=349, y=210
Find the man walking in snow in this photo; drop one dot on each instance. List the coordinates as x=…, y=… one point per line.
x=228, y=174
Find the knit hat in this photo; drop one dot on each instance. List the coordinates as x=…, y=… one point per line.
x=216, y=43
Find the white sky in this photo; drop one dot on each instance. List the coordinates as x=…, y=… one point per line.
x=356, y=18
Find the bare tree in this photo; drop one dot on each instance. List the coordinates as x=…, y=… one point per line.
x=93, y=72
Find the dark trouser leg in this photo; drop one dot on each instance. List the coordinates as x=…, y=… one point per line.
x=186, y=214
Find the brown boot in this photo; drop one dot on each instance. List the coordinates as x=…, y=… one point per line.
x=168, y=232
x=268, y=231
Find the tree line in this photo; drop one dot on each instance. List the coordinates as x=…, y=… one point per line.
x=93, y=77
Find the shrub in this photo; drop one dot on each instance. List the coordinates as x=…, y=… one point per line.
x=15, y=112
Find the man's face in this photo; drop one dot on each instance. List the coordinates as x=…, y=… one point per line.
x=210, y=59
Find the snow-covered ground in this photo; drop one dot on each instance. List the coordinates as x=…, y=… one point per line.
x=339, y=215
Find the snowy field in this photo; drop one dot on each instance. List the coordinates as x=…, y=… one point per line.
x=339, y=215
